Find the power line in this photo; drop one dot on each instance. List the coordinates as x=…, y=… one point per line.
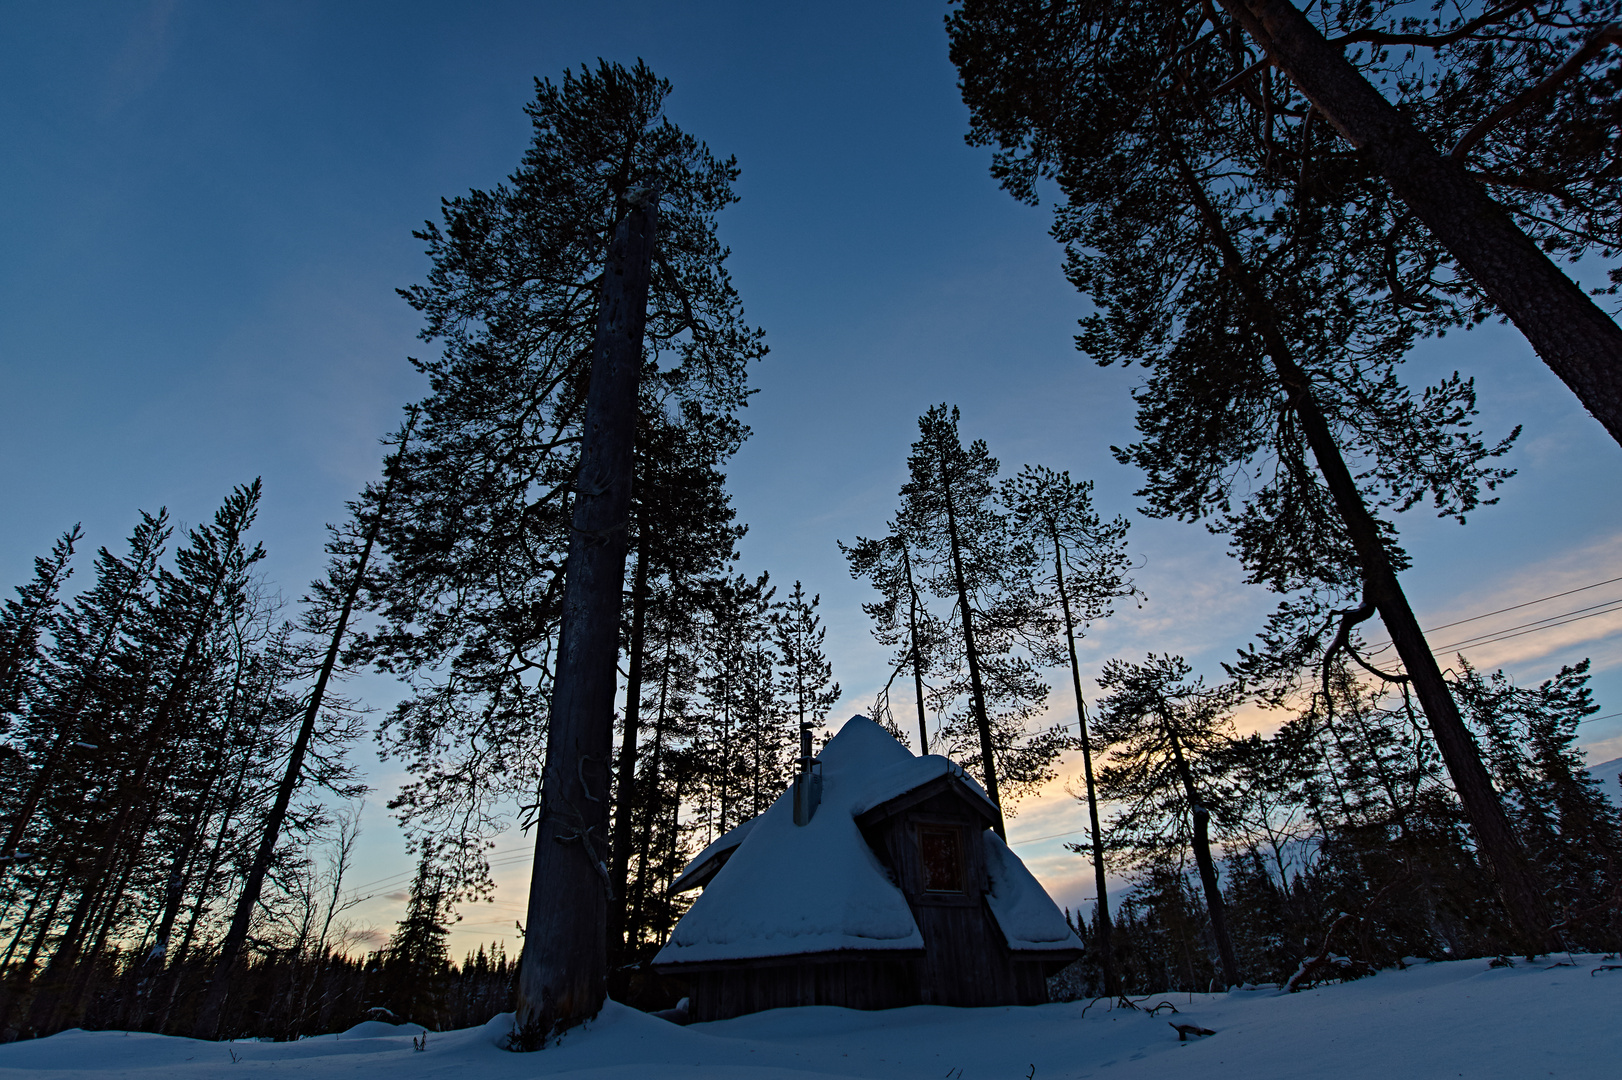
x=1529, y=603
x=383, y=883
x=1512, y=607
x=1537, y=624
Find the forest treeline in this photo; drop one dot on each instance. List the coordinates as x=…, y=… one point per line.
x=1261, y=238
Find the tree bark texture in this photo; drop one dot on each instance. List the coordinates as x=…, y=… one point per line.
x=1573, y=335
x=562, y=976
x=1517, y=881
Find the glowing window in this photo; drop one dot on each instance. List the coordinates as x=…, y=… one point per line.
x=942, y=858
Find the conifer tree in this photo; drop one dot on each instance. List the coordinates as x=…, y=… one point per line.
x=1166, y=734
x=901, y=618
x=949, y=517
x=86, y=639
x=327, y=616
x=1056, y=516
x=210, y=587
x=806, y=679
x=1517, y=91
x=416, y=959
x=27, y=619
x=1273, y=355
x=522, y=297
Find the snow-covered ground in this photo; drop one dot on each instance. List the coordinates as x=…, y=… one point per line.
x=1431, y=1020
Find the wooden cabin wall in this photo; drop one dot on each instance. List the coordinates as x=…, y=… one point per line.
x=722, y=993
x=966, y=960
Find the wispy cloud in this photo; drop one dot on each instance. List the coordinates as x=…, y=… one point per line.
x=144, y=55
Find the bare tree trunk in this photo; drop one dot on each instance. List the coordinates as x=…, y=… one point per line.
x=562, y=978
x=1573, y=335
x=976, y=687
x=1112, y=985
x=1517, y=881
x=625, y=788
x=1202, y=856
x=917, y=654
x=645, y=846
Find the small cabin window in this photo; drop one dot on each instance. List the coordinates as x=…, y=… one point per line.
x=942, y=859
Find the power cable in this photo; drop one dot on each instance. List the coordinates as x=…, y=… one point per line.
x=1514, y=607
x=1537, y=624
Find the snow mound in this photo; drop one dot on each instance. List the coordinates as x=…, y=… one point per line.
x=381, y=1029
x=1432, y=1020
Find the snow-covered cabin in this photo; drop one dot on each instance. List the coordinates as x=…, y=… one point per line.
x=897, y=892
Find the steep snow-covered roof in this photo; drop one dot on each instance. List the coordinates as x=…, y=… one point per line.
x=1029, y=918
x=788, y=890
x=791, y=889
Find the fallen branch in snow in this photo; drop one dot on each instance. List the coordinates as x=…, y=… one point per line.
x=1122, y=1002
x=1185, y=1030
x=1327, y=966
x=1161, y=1005
x=1605, y=967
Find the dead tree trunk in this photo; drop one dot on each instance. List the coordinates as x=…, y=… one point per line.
x=562, y=977
x=1573, y=335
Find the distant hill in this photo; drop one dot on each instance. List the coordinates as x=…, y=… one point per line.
x=1606, y=773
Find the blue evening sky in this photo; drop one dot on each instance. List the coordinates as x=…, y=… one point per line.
x=209, y=206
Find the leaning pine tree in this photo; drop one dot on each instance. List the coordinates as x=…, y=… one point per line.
x=1476, y=141
x=1273, y=338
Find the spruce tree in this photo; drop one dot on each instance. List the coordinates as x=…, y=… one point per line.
x=416, y=959
x=805, y=678
x=26, y=621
